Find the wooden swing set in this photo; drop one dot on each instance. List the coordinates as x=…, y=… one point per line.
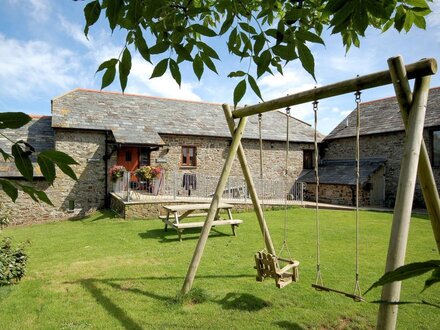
x=415, y=162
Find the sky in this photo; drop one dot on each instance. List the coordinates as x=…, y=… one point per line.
x=44, y=54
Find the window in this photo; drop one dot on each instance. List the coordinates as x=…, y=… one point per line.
x=307, y=159
x=144, y=157
x=189, y=156
x=436, y=148
x=128, y=156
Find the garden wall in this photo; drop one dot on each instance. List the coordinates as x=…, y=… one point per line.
x=87, y=194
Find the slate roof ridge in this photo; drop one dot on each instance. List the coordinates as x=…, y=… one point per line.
x=39, y=116
x=382, y=116
x=390, y=97
x=134, y=95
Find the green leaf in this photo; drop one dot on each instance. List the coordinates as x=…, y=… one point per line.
x=334, y=5
x=198, y=67
x=248, y=28
x=226, y=24
x=107, y=64
x=208, y=62
x=420, y=22
x=305, y=35
x=259, y=43
x=239, y=91
x=36, y=195
x=59, y=157
x=47, y=168
x=263, y=62
x=67, y=170
x=236, y=74
x=159, y=48
x=108, y=77
x=306, y=59
x=204, y=30
x=435, y=278
x=142, y=46
x=91, y=13
x=409, y=20
x=124, y=68
x=5, y=155
x=13, y=120
x=208, y=50
x=255, y=87
x=405, y=272
x=175, y=71
x=160, y=68
x=43, y=197
x=22, y=161
x=417, y=3
x=183, y=52
x=113, y=9
x=285, y=52
x=9, y=188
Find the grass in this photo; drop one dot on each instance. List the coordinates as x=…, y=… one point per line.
x=106, y=273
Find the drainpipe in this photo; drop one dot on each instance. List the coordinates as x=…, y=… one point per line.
x=106, y=158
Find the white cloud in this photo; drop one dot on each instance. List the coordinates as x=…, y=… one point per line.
x=39, y=10
x=33, y=69
x=75, y=31
x=164, y=86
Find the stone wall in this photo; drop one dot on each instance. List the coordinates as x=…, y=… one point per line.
x=152, y=209
x=388, y=146
x=212, y=153
x=88, y=149
x=87, y=194
x=337, y=194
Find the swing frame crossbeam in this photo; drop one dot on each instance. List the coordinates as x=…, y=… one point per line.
x=413, y=107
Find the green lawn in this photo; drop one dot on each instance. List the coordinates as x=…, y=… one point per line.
x=107, y=273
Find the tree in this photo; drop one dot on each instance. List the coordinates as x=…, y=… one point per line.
x=263, y=34
x=22, y=152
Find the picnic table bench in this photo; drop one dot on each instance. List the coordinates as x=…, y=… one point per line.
x=176, y=213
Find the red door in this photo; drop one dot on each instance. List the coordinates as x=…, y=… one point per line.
x=129, y=158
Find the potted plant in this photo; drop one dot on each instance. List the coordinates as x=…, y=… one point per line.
x=147, y=172
x=116, y=172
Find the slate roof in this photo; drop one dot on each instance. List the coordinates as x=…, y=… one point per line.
x=342, y=171
x=140, y=119
x=38, y=133
x=383, y=116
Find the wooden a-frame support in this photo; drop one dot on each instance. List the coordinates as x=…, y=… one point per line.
x=413, y=107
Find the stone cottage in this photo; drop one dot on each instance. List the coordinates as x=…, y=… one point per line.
x=101, y=129
x=381, y=147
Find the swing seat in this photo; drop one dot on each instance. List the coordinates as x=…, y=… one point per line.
x=267, y=265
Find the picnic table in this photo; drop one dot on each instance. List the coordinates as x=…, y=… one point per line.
x=176, y=213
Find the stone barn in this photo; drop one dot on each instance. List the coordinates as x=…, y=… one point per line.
x=102, y=129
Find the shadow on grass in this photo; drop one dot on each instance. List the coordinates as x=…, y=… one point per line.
x=96, y=216
x=243, y=302
x=113, y=309
x=289, y=325
x=92, y=285
x=171, y=234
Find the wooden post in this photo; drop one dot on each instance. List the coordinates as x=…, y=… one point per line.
x=425, y=174
x=214, y=207
x=422, y=68
x=250, y=183
x=387, y=316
